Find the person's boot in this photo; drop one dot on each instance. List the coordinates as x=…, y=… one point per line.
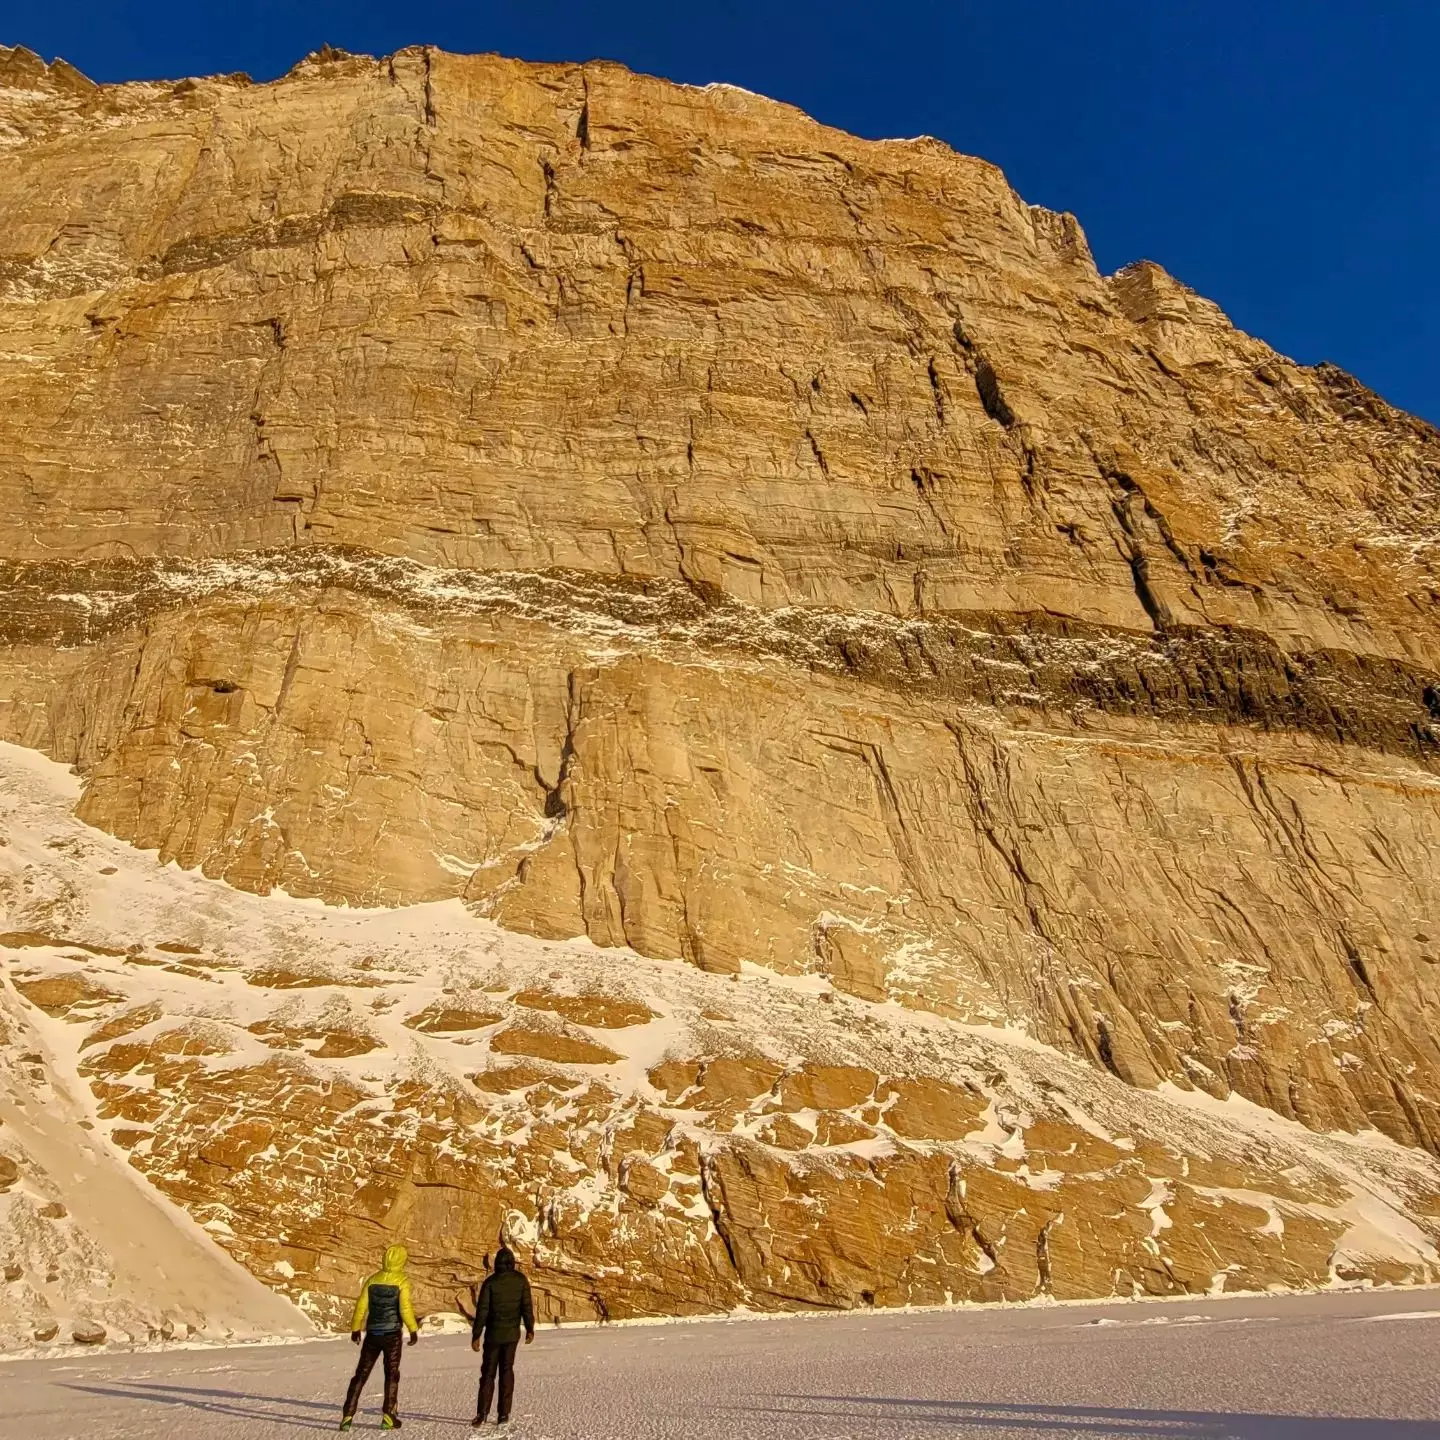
x=389, y=1422
x=346, y=1421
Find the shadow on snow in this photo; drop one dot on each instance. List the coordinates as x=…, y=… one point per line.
x=279, y=1409
x=958, y=1416
x=967, y=1417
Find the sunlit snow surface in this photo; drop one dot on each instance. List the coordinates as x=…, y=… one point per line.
x=1333, y=1367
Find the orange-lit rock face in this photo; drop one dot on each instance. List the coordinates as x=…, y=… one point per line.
x=642, y=514
x=513, y=317
x=724, y=1181
x=754, y=1140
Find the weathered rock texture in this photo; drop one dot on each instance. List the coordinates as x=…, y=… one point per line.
x=648, y=515
x=312, y=1084
x=88, y=1253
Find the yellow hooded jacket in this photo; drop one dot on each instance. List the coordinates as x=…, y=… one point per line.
x=384, y=1304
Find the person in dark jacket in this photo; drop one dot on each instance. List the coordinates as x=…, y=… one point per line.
x=384, y=1311
x=501, y=1308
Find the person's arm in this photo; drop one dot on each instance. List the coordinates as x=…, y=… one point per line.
x=407, y=1311
x=362, y=1309
x=482, y=1314
x=528, y=1311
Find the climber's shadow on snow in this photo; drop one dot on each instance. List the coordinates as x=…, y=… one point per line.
x=279, y=1409
x=975, y=1417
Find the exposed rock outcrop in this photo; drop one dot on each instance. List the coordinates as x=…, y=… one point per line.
x=653, y=1138
x=643, y=514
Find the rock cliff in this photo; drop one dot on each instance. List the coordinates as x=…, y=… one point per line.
x=643, y=514
x=310, y=1082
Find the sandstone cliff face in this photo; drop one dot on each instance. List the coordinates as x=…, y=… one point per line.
x=652, y=1138
x=644, y=514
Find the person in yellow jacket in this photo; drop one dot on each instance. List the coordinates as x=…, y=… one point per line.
x=382, y=1313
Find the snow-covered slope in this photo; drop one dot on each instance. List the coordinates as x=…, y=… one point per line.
x=90, y=1251
x=309, y=1082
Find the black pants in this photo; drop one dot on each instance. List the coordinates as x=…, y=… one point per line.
x=497, y=1358
x=371, y=1349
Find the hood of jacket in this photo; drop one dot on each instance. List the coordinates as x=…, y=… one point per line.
x=395, y=1258
x=504, y=1260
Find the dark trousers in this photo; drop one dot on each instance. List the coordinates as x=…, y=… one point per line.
x=497, y=1359
x=371, y=1349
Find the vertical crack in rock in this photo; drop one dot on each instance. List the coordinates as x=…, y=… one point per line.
x=992, y=400
x=582, y=125
x=926, y=483
x=547, y=169
x=1045, y=1279
x=555, y=805
x=907, y=846
x=292, y=664
x=987, y=386
x=998, y=834
x=818, y=453
x=987, y=383
x=937, y=390
x=712, y=1188
x=1104, y=1048
x=962, y=1221
x=431, y=118
x=1132, y=546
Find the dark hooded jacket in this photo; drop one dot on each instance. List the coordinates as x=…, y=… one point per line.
x=504, y=1304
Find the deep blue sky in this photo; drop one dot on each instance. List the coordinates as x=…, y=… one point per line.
x=1281, y=156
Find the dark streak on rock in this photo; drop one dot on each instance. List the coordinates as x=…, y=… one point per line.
x=1018, y=662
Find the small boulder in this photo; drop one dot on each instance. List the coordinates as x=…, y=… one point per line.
x=88, y=1332
x=442, y=1019
x=559, y=1049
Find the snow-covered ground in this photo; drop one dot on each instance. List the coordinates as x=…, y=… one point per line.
x=1337, y=1367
